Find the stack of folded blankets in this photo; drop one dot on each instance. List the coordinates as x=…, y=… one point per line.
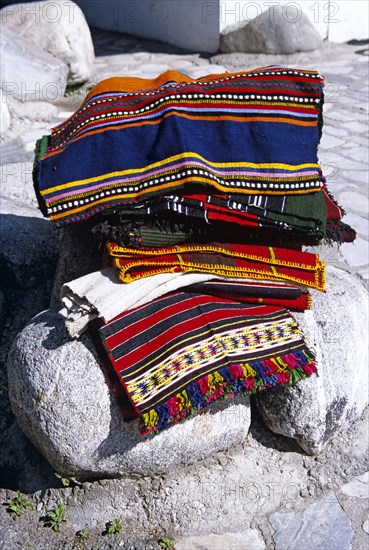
x=204, y=193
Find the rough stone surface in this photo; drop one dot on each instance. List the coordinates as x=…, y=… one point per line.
x=59, y=28
x=30, y=533
x=61, y=401
x=232, y=491
x=358, y=487
x=16, y=184
x=250, y=540
x=31, y=112
x=278, y=30
x=4, y=113
x=79, y=255
x=316, y=409
x=21, y=465
x=322, y=525
x=28, y=246
x=27, y=72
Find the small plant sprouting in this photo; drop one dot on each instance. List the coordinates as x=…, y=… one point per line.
x=17, y=505
x=83, y=534
x=114, y=527
x=167, y=543
x=56, y=517
x=63, y=480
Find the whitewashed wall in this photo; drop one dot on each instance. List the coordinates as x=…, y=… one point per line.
x=178, y=22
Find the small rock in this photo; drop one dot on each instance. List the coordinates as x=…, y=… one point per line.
x=358, y=487
x=63, y=404
x=365, y=526
x=59, y=28
x=29, y=73
x=320, y=522
x=4, y=114
x=317, y=408
x=278, y=30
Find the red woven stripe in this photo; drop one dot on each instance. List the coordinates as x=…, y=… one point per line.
x=187, y=326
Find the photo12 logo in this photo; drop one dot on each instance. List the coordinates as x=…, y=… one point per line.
x=51, y=12
x=230, y=12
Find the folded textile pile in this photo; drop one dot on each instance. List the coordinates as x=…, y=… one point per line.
x=204, y=194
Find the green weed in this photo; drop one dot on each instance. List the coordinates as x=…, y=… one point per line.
x=114, y=527
x=167, y=543
x=63, y=480
x=17, y=505
x=83, y=534
x=56, y=517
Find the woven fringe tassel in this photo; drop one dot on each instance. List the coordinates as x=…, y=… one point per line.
x=238, y=379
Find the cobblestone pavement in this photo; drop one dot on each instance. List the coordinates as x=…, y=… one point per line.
x=340, y=521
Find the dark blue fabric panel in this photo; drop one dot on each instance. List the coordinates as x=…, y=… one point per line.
x=218, y=141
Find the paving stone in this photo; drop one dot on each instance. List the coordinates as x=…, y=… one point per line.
x=341, y=115
x=360, y=223
x=355, y=201
x=322, y=525
x=358, y=176
x=358, y=487
x=359, y=140
x=359, y=153
x=248, y=540
x=4, y=113
x=328, y=141
x=30, y=147
x=204, y=70
x=336, y=157
x=357, y=253
x=364, y=273
x=333, y=69
x=347, y=148
x=153, y=68
x=355, y=126
x=13, y=152
x=16, y=184
x=33, y=135
x=338, y=132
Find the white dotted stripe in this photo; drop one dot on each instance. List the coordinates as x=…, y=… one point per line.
x=198, y=96
x=180, y=175
x=203, y=83
x=184, y=96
